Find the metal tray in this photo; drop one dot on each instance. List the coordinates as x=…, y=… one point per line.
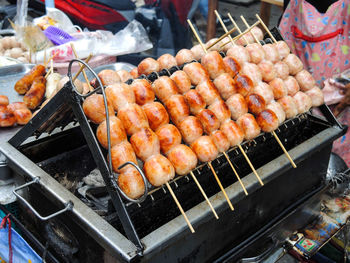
x=9, y=75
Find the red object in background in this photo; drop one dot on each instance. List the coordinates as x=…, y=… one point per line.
x=182, y=7
x=91, y=14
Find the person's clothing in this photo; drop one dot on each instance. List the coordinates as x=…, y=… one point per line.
x=320, y=5
x=321, y=41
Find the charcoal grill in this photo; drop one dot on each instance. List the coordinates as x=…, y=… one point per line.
x=154, y=230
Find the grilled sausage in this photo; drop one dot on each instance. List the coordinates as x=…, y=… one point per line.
x=303, y=102
x=239, y=53
x=282, y=70
x=205, y=149
x=282, y=48
x=183, y=159
x=145, y=143
x=23, y=116
x=294, y=64
x=237, y=105
x=4, y=100
x=164, y=87
x=109, y=77
x=271, y=53
x=133, y=118
x=184, y=56
x=156, y=114
x=94, y=108
x=158, y=170
x=221, y=110
x=249, y=126
x=264, y=90
x=289, y=106
x=268, y=70
x=255, y=103
x=208, y=91
x=267, y=120
x=23, y=85
x=233, y=132
x=306, y=80
x=209, y=121
x=124, y=75
x=213, y=63
x=253, y=72
x=225, y=85
x=147, y=66
x=278, y=88
x=196, y=73
x=256, y=53
x=117, y=132
x=244, y=84
x=131, y=183
x=169, y=136
x=7, y=118
x=166, y=61
x=120, y=95
x=292, y=85
x=191, y=129
x=177, y=108
x=182, y=81
x=232, y=66
x=316, y=96
x=36, y=93
x=195, y=101
x=143, y=91
x=278, y=110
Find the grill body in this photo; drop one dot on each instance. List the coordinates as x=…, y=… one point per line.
x=164, y=233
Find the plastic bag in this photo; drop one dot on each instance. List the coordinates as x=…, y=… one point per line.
x=21, y=251
x=62, y=21
x=22, y=11
x=132, y=39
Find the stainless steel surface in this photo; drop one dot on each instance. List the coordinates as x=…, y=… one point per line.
x=5, y=171
x=106, y=235
x=8, y=77
x=68, y=205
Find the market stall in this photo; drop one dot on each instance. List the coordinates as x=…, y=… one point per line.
x=196, y=157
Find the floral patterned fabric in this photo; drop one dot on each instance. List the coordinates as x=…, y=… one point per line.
x=321, y=41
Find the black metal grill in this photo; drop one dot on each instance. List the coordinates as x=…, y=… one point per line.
x=153, y=229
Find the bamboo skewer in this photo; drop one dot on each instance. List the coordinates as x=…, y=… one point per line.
x=266, y=28
x=273, y=132
x=226, y=34
x=197, y=36
x=236, y=26
x=51, y=58
x=84, y=73
x=250, y=164
x=48, y=73
x=82, y=67
x=236, y=37
x=284, y=149
x=223, y=25
x=228, y=159
x=220, y=185
x=247, y=25
x=180, y=207
x=204, y=195
x=234, y=170
x=244, y=154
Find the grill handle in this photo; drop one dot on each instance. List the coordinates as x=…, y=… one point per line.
x=68, y=205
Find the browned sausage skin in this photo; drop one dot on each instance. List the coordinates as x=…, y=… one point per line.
x=23, y=85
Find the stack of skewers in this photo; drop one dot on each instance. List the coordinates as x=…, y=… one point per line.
x=212, y=105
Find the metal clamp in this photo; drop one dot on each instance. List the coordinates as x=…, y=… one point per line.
x=68, y=205
x=143, y=197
